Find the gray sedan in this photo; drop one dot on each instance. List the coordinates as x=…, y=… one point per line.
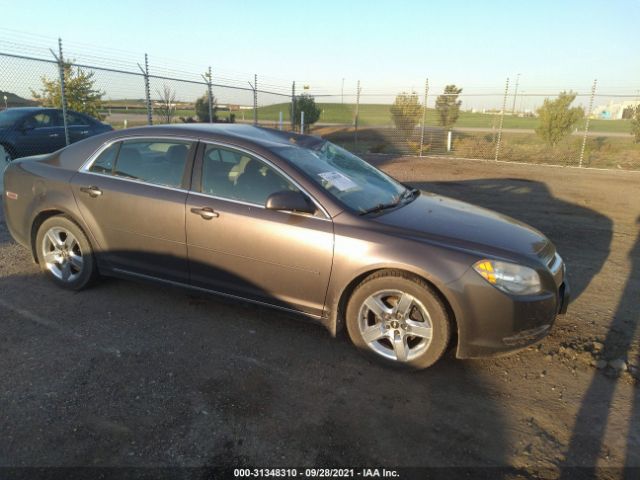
x=293, y=222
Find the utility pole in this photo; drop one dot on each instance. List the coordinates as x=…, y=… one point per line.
x=515, y=95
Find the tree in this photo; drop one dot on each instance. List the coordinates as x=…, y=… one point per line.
x=635, y=124
x=166, y=104
x=557, y=118
x=80, y=91
x=448, y=106
x=307, y=104
x=202, y=108
x=406, y=112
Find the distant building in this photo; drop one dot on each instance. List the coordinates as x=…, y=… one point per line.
x=613, y=111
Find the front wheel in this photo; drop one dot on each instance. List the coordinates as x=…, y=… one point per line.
x=5, y=157
x=65, y=254
x=398, y=319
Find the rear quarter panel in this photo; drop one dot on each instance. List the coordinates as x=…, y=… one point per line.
x=41, y=185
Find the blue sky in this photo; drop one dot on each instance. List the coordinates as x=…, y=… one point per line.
x=552, y=44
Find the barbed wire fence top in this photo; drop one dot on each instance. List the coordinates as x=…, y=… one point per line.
x=423, y=118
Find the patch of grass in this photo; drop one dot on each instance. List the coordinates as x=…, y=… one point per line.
x=600, y=152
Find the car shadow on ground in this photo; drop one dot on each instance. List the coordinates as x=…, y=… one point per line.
x=585, y=447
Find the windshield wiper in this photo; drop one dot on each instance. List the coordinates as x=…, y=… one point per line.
x=380, y=207
x=407, y=196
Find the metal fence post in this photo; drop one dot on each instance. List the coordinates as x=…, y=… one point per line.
x=147, y=89
x=586, y=125
x=424, y=114
x=255, y=99
x=355, y=122
x=302, y=122
x=293, y=106
x=504, y=106
x=63, y=94
x=207, y=78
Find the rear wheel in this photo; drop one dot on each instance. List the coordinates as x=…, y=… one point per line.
x=65, y=254
x=399, y=319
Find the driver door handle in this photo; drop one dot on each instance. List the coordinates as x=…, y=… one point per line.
x=205, y=212
x=93, y=191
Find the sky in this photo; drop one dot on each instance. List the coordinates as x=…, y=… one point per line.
x=388, y=45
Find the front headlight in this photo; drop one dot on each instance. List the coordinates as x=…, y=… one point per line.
x=509, y=277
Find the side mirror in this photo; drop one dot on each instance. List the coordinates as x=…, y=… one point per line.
x=290, y=201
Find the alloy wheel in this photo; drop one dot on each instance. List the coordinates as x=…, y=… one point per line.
x=62, y=254
x=395, y=325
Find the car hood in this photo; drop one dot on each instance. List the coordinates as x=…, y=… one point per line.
x=459, y=223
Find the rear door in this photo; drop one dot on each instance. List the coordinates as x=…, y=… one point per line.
x=79, y=126
x=132, y=197
x=238, y=247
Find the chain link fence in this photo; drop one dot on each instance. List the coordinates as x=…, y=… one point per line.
x=498, y=122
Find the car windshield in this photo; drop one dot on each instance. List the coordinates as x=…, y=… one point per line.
x=346, y=177
x=9, y=117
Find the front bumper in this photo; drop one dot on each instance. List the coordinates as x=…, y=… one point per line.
x=492, y=323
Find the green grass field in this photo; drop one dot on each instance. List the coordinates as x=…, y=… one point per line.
x=379, y=115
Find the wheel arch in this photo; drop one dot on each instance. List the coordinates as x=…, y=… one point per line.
x=44, y=215
x=339, y=311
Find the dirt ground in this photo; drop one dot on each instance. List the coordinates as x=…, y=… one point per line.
x=128, y=374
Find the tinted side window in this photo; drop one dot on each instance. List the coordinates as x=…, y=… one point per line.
x=237, y=176
x=161, y=162
x=75, y=119
x=42, y=120
x=106, y=160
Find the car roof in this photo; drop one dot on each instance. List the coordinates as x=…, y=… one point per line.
x=25, y=109
x=264, y=137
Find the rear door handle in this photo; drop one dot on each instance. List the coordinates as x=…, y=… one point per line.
x=92, y=191
x=53, y=135
x=205, y=212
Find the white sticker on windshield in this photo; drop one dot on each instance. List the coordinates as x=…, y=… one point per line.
x=338, y=180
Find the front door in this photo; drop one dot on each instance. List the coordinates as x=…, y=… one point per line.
x=132, y=198
x=42, y=132
x=236, y=246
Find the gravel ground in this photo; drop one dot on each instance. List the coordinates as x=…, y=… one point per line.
x=129, y=374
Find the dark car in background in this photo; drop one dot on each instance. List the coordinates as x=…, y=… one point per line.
x=30, y=131
x=293, y=222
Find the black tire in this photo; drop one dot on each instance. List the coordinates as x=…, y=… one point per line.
x=425, y=352
x=79, y=277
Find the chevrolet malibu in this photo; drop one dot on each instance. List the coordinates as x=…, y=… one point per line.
x=292, y=222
